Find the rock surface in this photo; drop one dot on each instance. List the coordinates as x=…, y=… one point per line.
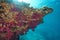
x=18, y=20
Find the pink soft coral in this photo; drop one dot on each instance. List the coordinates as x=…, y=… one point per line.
x=21, y=23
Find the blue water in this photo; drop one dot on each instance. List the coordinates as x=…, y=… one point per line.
x=50, y=29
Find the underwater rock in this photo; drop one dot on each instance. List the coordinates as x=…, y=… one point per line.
x=18, y=22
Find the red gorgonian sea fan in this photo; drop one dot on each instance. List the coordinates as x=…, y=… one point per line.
x=16, y=21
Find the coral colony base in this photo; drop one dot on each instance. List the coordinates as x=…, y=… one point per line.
x=16, y=21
